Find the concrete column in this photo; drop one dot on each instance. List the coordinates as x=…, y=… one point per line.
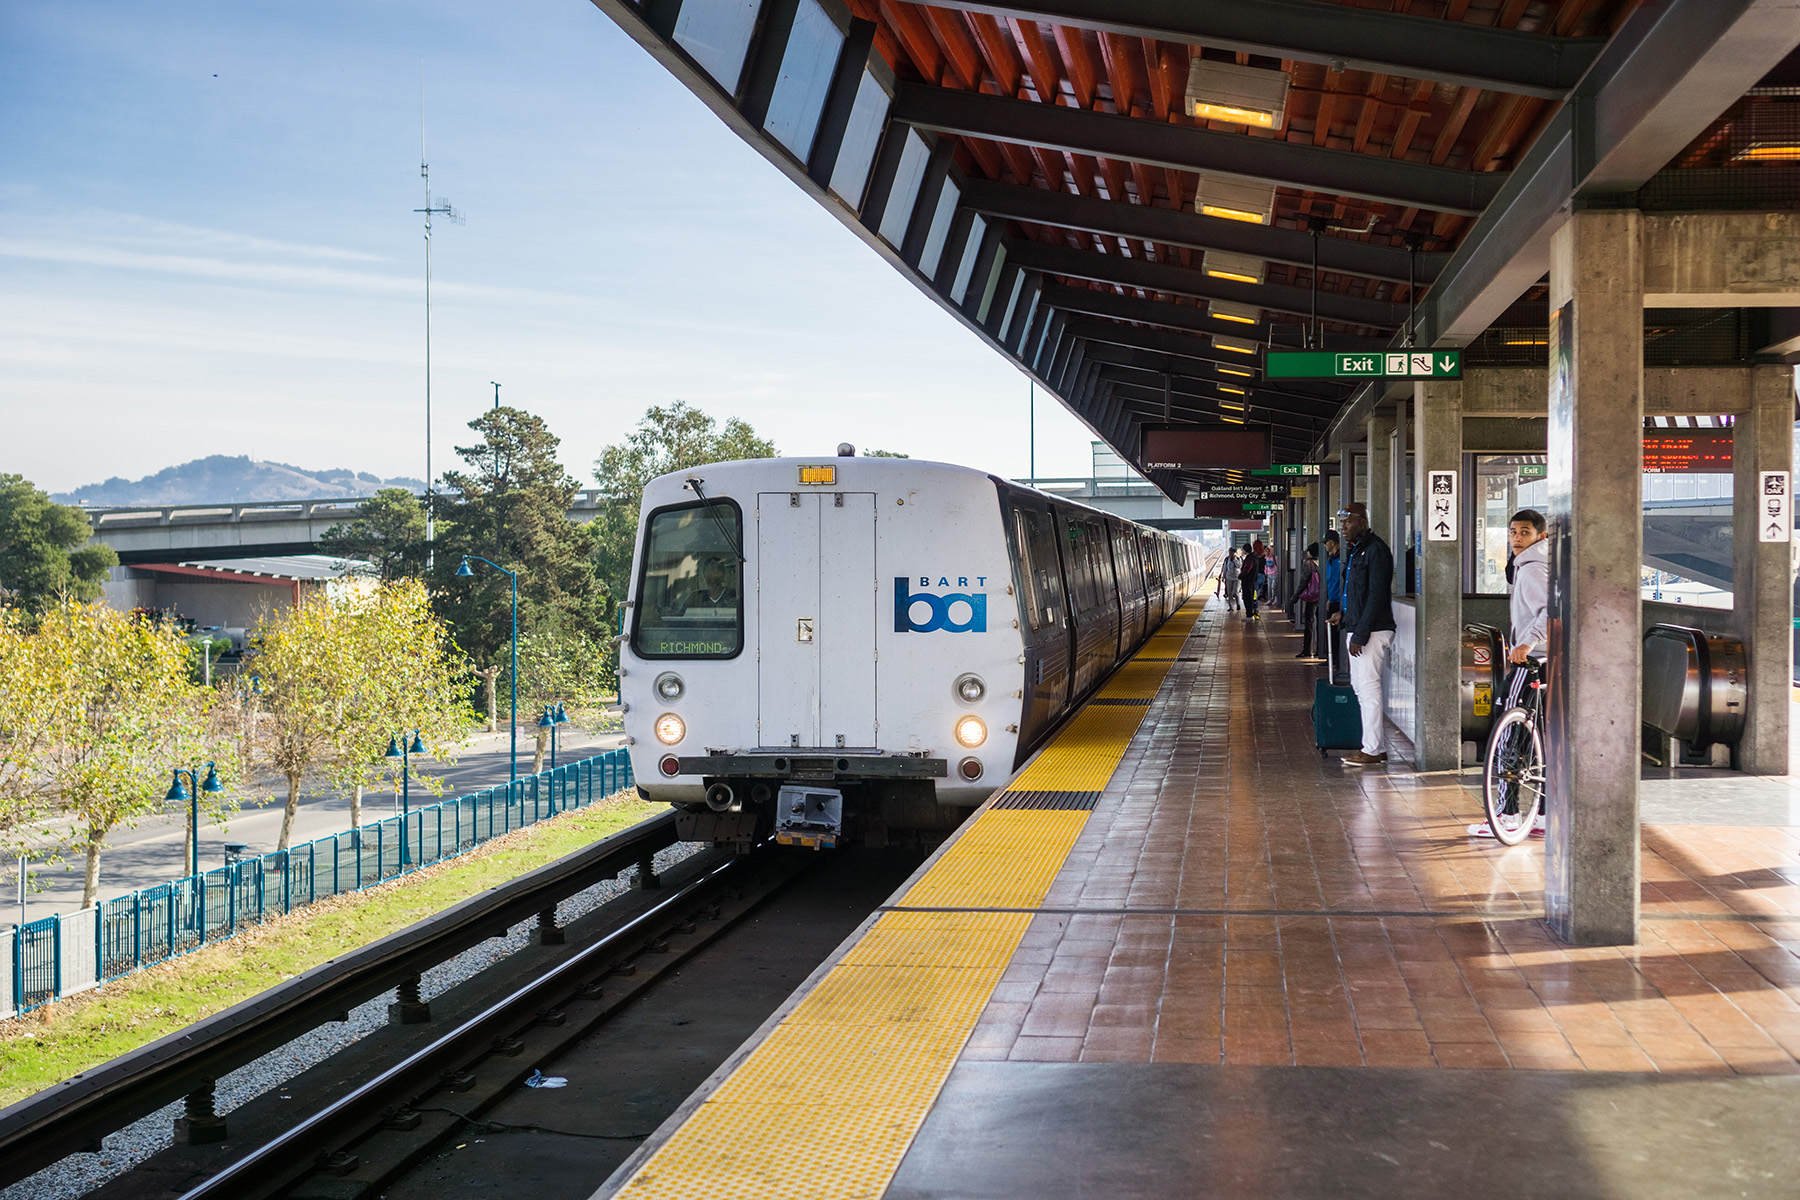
x=1762, y=592
x=1396, y=533
x=1439, y=665
x=1381, y=466
x=1591, y=862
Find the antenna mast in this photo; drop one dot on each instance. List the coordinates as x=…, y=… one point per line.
x=442, y=209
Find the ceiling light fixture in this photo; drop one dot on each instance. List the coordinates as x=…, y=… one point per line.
x=1235, y=371
x=1226, y=310
x=1236, y=391
x=1225, y=91
x=1236, y=345
x=1240, y=268
x=1235, y=199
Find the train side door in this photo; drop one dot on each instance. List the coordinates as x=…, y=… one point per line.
x=787, y=666
x=847, y=620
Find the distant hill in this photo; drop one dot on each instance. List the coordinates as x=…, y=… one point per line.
x=223, y=479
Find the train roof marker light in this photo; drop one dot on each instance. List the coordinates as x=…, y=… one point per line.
x=1235, y=199
x=1240, y=95
x=1239, y=268
x=1226, y=310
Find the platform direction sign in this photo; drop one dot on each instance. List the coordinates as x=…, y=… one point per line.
x=1261, y=507
x=1363, y=364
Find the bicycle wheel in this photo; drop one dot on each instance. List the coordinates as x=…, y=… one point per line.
x=1513, y=784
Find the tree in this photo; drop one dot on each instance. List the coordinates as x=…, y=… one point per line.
x=43, y=549
x=32, y=682
x=129, y=714
x=677, y=438
x=388, y=532
x=340, y=675
x=884, y=454
x=561, y=666
x=514, y=511
x=411, y=678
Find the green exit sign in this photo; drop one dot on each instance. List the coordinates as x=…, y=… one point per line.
x=1287, y=469
x=1363, y=364
x=1534, y=471
x=1261, y=507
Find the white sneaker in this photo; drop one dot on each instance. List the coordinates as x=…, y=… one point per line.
x=1481, y=829
x=1539, y=826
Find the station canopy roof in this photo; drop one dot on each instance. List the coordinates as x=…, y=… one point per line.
x=1134, y=199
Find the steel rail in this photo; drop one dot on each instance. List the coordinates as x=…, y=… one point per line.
x=277, y=1163
x=75, y=1114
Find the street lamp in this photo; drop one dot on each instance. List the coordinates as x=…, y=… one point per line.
x=179, y=791
x=464, y=571
x=398, y=748
x=550, y=720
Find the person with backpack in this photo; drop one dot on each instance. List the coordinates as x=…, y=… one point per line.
x=1228, y=579
x=1306, y=602
x=1250, y=578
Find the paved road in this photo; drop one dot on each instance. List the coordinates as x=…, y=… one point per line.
x=152, y=852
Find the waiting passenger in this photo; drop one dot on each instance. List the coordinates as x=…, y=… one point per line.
x=1250, y=578
x=1334, y=603
x=1228, y=585
x=1528, y=540
x=1306, y=603
x=1368, y=622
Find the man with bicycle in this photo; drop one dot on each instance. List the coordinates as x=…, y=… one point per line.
x=1528, y=538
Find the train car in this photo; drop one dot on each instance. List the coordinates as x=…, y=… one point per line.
x=817, y=648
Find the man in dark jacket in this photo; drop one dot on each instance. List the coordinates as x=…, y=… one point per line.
x=1368, y=622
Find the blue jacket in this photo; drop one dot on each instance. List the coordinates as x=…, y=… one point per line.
x=1334, y=580
x=1368, y=589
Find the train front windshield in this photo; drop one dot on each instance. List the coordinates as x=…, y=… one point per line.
x=690, y=600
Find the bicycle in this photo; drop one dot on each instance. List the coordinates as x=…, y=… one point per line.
x=1513, y=783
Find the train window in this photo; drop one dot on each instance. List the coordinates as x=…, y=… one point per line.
x=689, y=602
x=1038, y=567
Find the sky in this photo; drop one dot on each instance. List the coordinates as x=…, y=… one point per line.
x=208, y=246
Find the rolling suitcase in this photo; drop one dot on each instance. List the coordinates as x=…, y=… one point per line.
x=1337, y=718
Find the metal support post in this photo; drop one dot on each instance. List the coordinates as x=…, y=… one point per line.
x=548, y=932
x=201, y=1125
x=646, y=878
x=1596, y=384
x=408, y=1008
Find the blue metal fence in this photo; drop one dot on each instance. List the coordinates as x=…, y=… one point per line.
x=147, y=926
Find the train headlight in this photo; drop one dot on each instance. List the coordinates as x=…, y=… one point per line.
x=970, y=688
x=669, y=687
x=670, y=729
x=971, y=732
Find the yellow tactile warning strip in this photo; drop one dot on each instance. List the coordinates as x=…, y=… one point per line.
x=828, y=1103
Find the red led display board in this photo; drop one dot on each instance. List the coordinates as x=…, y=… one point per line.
x=1687, y=451
x=1196, y=446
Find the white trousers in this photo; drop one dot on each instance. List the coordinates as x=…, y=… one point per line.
x=1368, y=676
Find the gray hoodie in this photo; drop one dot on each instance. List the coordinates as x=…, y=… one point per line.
x=1531, y=598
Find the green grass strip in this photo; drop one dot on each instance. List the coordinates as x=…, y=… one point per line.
x=52, y=1043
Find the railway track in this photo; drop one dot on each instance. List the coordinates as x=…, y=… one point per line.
x=360, y=1141
x=428, y=1097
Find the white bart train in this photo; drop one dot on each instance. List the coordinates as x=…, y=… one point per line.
x=817, y=648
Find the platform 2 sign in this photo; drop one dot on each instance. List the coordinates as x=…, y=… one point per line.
x=1363, y=364
x=1441, y=515
x=1776, y=515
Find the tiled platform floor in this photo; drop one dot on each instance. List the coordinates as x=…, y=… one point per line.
x=1238, y=900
